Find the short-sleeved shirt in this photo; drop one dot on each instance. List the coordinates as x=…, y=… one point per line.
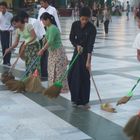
x=53, y=37
x=5, y=21
x=38, y=27
x=136, y=43
x=25, y=34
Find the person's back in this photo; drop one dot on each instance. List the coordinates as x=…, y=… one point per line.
x=53, y=37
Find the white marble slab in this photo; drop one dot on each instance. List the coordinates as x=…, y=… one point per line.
x=110, y=86
x=23, y=119
x=124, y=112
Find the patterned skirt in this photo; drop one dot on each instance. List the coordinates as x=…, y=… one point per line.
x=30, y=55
x=57, y=64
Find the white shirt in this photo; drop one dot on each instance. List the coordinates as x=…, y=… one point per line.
x=38, y=27
x=5, y=21
x=136, y=43
x=51, y=10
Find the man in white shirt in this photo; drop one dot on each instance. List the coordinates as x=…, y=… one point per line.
x=40, y=33
x=45, y=7
x=5, y=31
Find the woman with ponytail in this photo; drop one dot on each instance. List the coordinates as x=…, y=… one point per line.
x=57, y=60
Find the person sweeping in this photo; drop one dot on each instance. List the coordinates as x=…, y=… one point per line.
x=136, y=45
x=82, y=37
x=31, y=45
x=57, y=60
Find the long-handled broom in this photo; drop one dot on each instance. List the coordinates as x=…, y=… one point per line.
x=130, y=94
x=54, y=90
x=104, y=106
x=7, y=75
x=19, y=85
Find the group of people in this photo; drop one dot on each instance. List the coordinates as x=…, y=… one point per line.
x=98, y=14
x=101, y=14
x=42, y=37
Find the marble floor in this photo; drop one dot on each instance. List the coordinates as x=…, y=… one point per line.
x=115, y=69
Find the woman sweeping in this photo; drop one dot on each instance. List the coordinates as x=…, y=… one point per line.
x=82, y=37
x=57, y=60
x=31, y=45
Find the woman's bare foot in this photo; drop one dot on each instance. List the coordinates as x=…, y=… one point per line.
x=64, y=90
x=86, y=106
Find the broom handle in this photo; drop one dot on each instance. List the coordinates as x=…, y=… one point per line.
x=135, y=85
x=30, y=67
x=2, y=58
x=13, y=66
x=96, y=88
x=70, y=66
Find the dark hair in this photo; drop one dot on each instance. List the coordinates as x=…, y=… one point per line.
x=17, y=19
x=46, y=16
x=44, y=1
x=138, y=14
x=23, y=14
x=85, y=11
x=3, y=4
x=132, y=128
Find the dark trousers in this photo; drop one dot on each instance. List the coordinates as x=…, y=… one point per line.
x=6, y=39
x=44, y=63
x=106, y=25
x=79, y=81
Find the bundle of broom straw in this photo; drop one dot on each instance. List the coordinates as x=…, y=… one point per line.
x=6, y=76
x=126, y=98
x=34, y=84
x=19, y=85
x=54, y=90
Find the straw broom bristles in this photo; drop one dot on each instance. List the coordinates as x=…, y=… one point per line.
x=33, y=84
x=6, y=76
x=19, y=86
x=54, y=90
x=108, y=108
x=124, y=100
x=15, y=85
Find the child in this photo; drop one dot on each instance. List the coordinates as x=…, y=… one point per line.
x=132, y=128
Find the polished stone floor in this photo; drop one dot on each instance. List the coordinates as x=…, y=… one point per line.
x=115, y=69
